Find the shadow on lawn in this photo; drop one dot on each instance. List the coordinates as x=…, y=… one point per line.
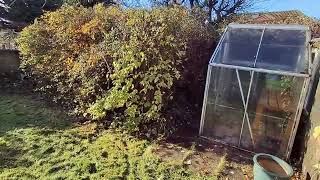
x=8, y=157
x=18, y=110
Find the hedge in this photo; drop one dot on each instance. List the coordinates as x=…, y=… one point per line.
x=109, y=63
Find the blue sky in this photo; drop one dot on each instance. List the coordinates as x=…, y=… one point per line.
x=309, y=7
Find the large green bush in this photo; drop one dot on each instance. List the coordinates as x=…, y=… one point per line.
x=112, y=62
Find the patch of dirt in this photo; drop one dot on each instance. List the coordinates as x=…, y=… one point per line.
x=206, y=156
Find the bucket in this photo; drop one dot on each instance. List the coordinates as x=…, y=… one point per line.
x=268, y=167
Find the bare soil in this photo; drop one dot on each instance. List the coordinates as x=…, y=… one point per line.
x=207, y=156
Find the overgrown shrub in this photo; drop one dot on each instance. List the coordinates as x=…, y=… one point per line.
x=112, y=62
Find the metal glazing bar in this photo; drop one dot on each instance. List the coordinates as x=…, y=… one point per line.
x=312, y=66
x=257, y=54
x=267, y=44
x=205, y=99
x=229, y=107
x=309, y=50
x=285, y=73
x=313, y=79
x=297, y=116
x=245, y=105
x=270, y=26
x=217, y=79
x=227, y=144
x=218, y=45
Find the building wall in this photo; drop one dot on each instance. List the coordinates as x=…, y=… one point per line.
x=9, y=62
x=312, y=153
x=7, y=39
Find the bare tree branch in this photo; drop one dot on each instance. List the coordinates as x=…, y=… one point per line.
x=11, y=3
x=45, y=2
x=218, y=9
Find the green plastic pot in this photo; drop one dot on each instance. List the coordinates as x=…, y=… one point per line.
x=264, y=173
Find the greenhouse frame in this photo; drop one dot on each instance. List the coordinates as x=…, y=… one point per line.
x=256, y=87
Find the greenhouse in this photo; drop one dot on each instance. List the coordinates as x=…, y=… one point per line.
x=256, y=87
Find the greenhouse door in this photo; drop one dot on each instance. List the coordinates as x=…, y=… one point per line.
x=252, y=110
x=225, y=104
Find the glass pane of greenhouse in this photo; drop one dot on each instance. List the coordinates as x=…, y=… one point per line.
x=256, y=87
x=224, y=106
x=239, y=47
x=280, y=51
x=271, y=108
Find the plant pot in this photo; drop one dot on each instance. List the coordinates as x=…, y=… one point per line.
x=268, y=167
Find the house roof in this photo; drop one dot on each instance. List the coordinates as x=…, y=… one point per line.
x=280, y=17
x=261, y=17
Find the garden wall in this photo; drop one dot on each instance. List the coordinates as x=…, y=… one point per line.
x=9, y=62
x=312, y=152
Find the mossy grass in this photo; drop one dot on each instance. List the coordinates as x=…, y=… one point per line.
x=39, y=142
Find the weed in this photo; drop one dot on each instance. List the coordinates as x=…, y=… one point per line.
x=188, y=153
x=219, y=169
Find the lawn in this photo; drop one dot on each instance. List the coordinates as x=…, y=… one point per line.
x=38, y=141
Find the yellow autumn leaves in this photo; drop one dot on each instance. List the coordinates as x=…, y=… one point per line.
x=316, y=132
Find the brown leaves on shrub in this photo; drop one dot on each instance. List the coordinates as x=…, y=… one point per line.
x=104, y=60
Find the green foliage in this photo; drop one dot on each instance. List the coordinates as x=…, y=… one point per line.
x=18, y=111
x=316, y=135
x=73, y=154
x=103, y=61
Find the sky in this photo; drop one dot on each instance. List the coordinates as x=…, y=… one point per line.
x=308, y=7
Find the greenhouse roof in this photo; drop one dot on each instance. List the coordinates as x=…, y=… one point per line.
x=269, y=47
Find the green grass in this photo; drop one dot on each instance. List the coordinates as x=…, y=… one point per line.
x=20, y=111
x=39, y=142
